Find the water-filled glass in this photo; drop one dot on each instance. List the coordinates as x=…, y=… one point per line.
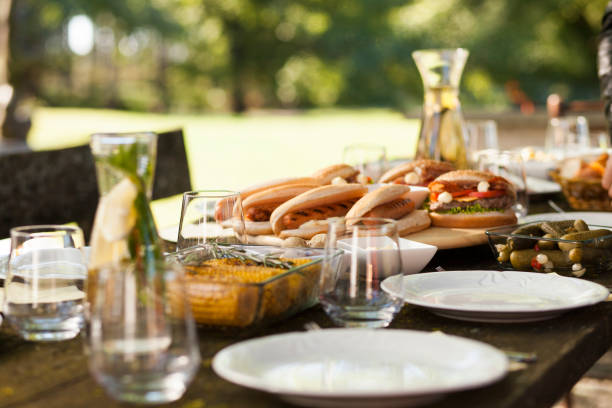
x=44, y=284
x=509, y=165
x=211, y=216
x=142, y=344
x=359, y=256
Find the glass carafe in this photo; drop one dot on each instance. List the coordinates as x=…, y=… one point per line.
x=442, y=126
x=124, y=228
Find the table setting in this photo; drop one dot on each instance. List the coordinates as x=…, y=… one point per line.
x=365, y=283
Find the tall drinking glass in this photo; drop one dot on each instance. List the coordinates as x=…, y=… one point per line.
x=44, y=284
x=210, y=216
x=142, y=341
x=359, y=256
x=509, y=165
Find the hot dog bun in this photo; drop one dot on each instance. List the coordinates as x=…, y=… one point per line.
x=426, y=169
x=344, y=171
x=247, y=191
x=262, y=203
x=479, y=220
x=409, y=220
x=321, y=200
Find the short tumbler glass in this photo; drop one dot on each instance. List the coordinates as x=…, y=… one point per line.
x=44, y=284
x=359, y=256
x=210, y=216
x=142, y=342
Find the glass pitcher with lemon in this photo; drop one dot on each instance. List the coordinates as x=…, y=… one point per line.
x=124, y=229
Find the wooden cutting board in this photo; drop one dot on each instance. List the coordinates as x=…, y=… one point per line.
x=448, y=238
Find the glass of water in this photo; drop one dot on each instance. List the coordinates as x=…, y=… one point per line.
x=210, y=216
x=509, y=165
x=43, y=290
x=359, y=255
x=142, y=342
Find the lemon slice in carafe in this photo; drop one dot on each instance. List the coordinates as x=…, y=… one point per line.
x=115, y=218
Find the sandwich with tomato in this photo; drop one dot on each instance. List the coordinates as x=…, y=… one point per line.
x=471, y=199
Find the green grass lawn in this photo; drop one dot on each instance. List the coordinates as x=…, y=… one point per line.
x=226, y=151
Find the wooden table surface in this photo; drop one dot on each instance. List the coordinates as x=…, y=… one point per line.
x=56, y=376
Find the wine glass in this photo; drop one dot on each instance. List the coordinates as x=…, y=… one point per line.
x=43, y=290
x=359, y=256
x=211, y=216
x=509, y=165
x=370, y=160
x=142, y=344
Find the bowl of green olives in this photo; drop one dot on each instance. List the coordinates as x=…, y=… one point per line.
x=568, y=247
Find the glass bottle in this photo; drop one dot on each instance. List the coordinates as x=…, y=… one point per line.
x=442, y=127
x=124, y=228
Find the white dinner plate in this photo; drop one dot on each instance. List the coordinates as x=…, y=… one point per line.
x=360, y=367
x=590, y=217
x=537, y=185
x=496, y=297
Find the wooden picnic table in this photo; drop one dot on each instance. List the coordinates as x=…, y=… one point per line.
x=55, y=375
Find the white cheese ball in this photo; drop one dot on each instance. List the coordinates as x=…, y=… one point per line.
x=445, y=197
x=338, y=181
x=541, y=258
x=483, y=187
x=412, y=178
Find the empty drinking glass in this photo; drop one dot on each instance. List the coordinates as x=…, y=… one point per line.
x=480, y=135
x=44, y=294
x=509, y=165
x=142, y=342
x=567, y=136
x=359, y=256
x=370, y=160
x=210, y=216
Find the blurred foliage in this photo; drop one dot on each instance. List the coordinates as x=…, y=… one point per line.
x=190, y=55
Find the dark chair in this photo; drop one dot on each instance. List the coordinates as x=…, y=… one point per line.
x=60, y=186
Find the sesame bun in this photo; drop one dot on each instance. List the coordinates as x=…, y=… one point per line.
x=316, y=197
x=327, y=174
x=478, y=220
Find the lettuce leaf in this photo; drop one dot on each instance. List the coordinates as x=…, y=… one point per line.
x=471, y=209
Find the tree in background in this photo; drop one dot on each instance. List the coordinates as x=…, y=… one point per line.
x=193, y=55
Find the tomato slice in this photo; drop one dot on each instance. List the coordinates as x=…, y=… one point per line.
x=462, y=193
x=487, y=194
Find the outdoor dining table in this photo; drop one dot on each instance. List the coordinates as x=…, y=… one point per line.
x=55, y=375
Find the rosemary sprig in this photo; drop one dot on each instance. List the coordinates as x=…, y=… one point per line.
x=220, y=250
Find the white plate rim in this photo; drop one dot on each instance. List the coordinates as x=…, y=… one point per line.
x=603, y=293
x=248, y=382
